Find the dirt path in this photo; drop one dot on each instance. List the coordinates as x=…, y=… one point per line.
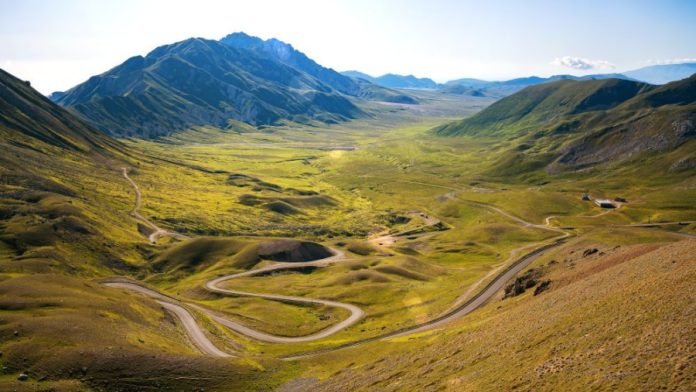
x=387, y=240
x=469, y=306
x=188, y=321
x=157, y=231
x=200, y=340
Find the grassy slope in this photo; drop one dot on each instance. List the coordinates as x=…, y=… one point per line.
x=391, y=172
x=64, y=225
x=596, y=328
x=541, y=103
x=186, y=186
x=571, y=125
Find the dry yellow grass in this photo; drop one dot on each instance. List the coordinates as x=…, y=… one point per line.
x=619, y=321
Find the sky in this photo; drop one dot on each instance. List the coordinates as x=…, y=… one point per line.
x=58, y=44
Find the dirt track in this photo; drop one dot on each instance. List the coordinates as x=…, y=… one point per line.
x=156, y=230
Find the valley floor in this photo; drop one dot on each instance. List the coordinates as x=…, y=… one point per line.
x=350, y=257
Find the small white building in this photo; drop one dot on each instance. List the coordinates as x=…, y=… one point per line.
x=605, y=203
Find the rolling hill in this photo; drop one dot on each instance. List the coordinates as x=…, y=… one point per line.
x=570, y=125
x=206, y=82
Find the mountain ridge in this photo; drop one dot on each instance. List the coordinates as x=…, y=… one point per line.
x=656, y=74
x=573, y=125
x=25, y=113
x=391, y=80
x=202, y=82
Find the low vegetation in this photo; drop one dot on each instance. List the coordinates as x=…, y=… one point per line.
x=421, y=222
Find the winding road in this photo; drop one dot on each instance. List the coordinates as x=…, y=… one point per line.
x=179, y=308
x=355, y=312
x=199, y=338
x=195, y=333
x=461, y=307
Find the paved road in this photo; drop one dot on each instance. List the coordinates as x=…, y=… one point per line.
x=469, y=306
x=195, y=333
x=355, y=312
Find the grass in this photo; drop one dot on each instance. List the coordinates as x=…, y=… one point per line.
x=598, y=329
x=65, y=225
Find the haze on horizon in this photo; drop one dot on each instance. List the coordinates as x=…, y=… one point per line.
x=57, y=45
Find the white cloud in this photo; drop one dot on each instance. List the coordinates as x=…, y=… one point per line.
x=672, y=61
x=581, y=63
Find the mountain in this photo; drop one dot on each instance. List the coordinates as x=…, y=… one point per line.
x=28, y=120
x=469, y=82
x=506, y=87
x=286, y=54
x=358, y=75
x=570, y=125
x=205, y=82
x=661, y=74
x=656, y=74
x=374, y=92
x=49, y=159
x=473, y=91
x=539, y=103
x=394, y=80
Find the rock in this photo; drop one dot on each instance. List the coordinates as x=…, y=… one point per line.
x=16, y=333
x=514, y=289
x=543, y=286
x=523, y=282
x=23, y=377
x=686, y=163
x=589, y=252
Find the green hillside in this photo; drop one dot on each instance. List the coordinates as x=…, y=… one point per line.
x=572, y=125
x=332, y=240
x=544, y=103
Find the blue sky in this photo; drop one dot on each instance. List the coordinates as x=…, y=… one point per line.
x=57, y=44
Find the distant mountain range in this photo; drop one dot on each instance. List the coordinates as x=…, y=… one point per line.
x=206, y=82
x=394, y=81
x=656, y=74
x=661, y=74
x=201, y=82
x=571, y=125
